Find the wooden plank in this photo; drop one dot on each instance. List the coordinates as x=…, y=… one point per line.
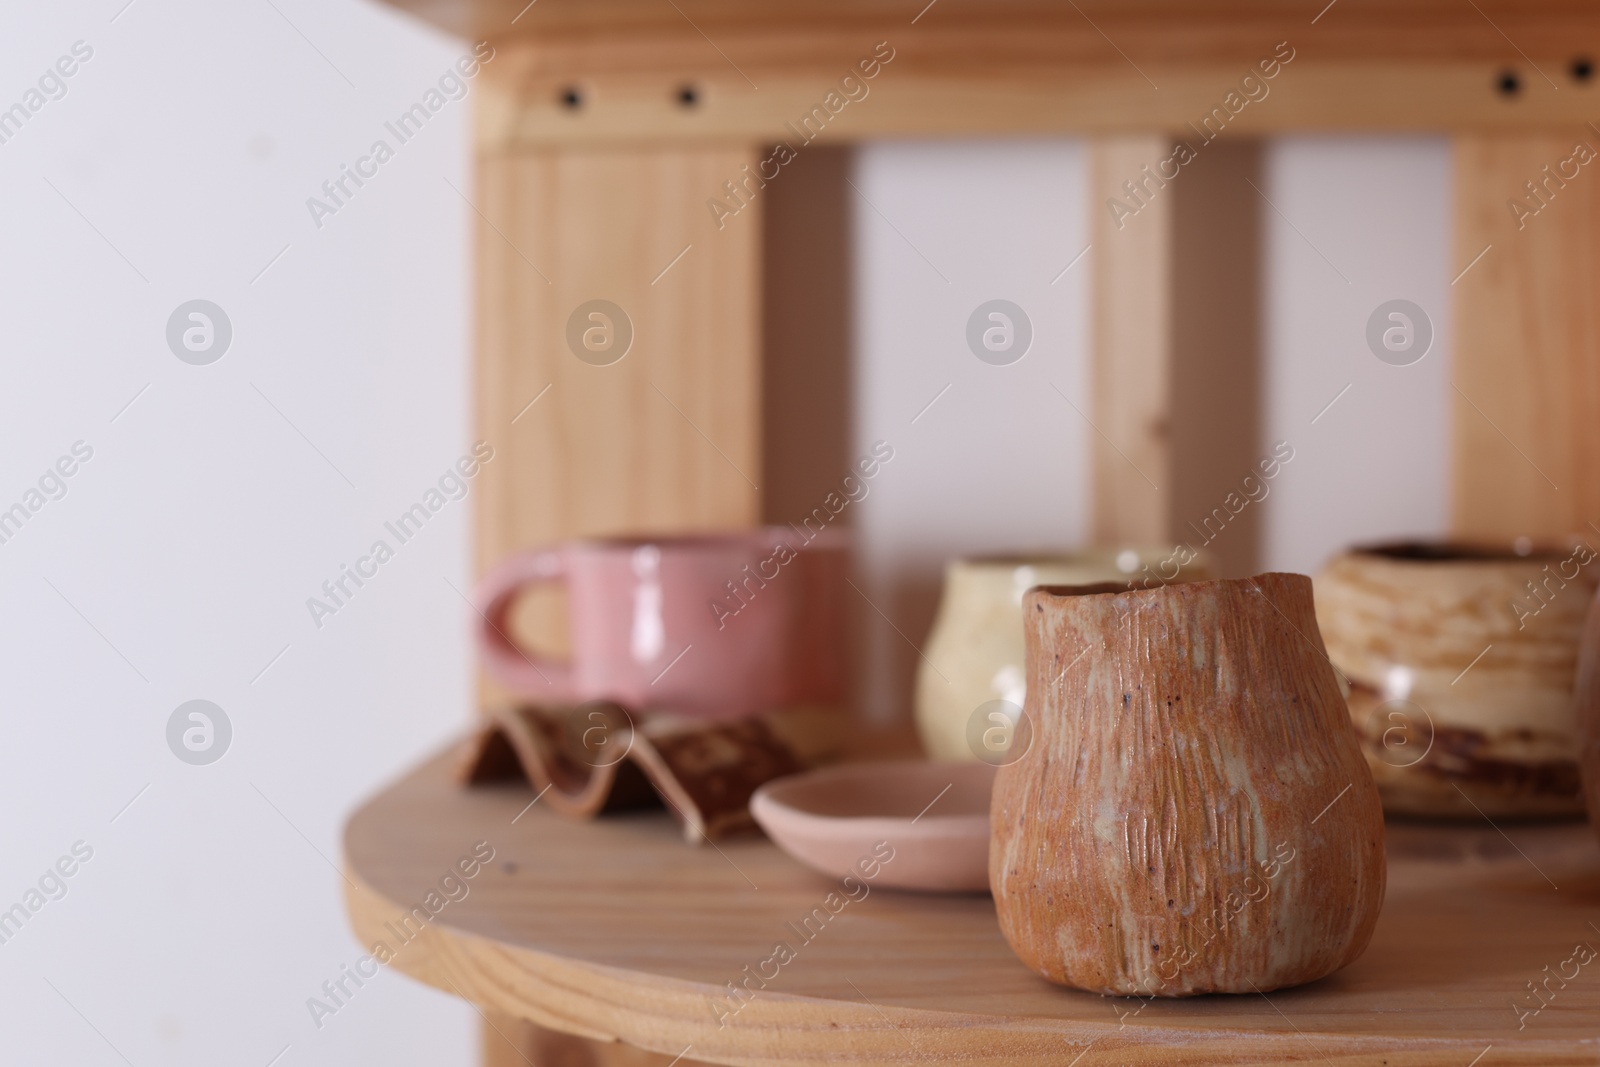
x=807, y=335
x=1131, y=340
x=1086, y=30
x=1025, y=66
x=1100, y=98
x=1176, y=359
x=1216, y=371
x=668, y=437
x=1527, y=338
x=616, y=929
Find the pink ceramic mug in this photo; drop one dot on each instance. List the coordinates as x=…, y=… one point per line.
x=717, y=626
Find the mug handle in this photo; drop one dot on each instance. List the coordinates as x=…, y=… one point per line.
x=523, y=670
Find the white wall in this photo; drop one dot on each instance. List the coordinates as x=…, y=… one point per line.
x=1376, y=464
x=999, y=462
x=191, y=540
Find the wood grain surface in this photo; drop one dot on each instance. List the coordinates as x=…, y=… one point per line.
x=643, y=107
x=665, y=440
x=1217, y=419
x=617, y=930
x=1216, y=29
x=1131, y=345
x=1176, y=375
x=1526, y=372
x=1028, y=66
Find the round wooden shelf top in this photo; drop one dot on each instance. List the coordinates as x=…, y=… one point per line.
x=1485, y=954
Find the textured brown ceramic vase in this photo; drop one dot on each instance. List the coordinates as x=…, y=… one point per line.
x=1194, y=814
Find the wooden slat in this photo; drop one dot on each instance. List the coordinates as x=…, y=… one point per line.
x=1130, y=345
x=807, y=333
x=643, y=107
x=1216, y=373
x=1527, y=340
x=1024, y=66
x=1084, y=30
x=668, y=438
x=1176, y=348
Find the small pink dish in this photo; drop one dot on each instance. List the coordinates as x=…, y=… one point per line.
x=934, y=816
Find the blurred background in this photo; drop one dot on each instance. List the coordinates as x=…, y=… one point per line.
x=218, y=499
x=175, y=165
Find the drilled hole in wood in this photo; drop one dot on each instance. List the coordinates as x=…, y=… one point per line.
x=571, y=98
x=1509, y=83
x=1582, y=69
x=688, y=96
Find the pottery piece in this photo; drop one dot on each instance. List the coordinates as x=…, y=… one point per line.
x=596, y=757
x=1194, y=814
x=1586, y=711
x=933, y=817
x=973, y=665
x=1460, y=660
x=713, y=626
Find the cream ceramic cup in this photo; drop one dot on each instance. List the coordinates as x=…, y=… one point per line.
x=972, y=666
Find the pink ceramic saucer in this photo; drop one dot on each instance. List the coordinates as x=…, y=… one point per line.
x=934, y=816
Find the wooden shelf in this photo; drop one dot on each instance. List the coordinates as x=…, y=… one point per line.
x=617, y=930
x=1019, y=68
x=1082, y=31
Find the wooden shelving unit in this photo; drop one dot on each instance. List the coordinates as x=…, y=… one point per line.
x=599, y=198
x=602, y=130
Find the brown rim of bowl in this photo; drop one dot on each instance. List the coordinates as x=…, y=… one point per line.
x=1464, y=551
